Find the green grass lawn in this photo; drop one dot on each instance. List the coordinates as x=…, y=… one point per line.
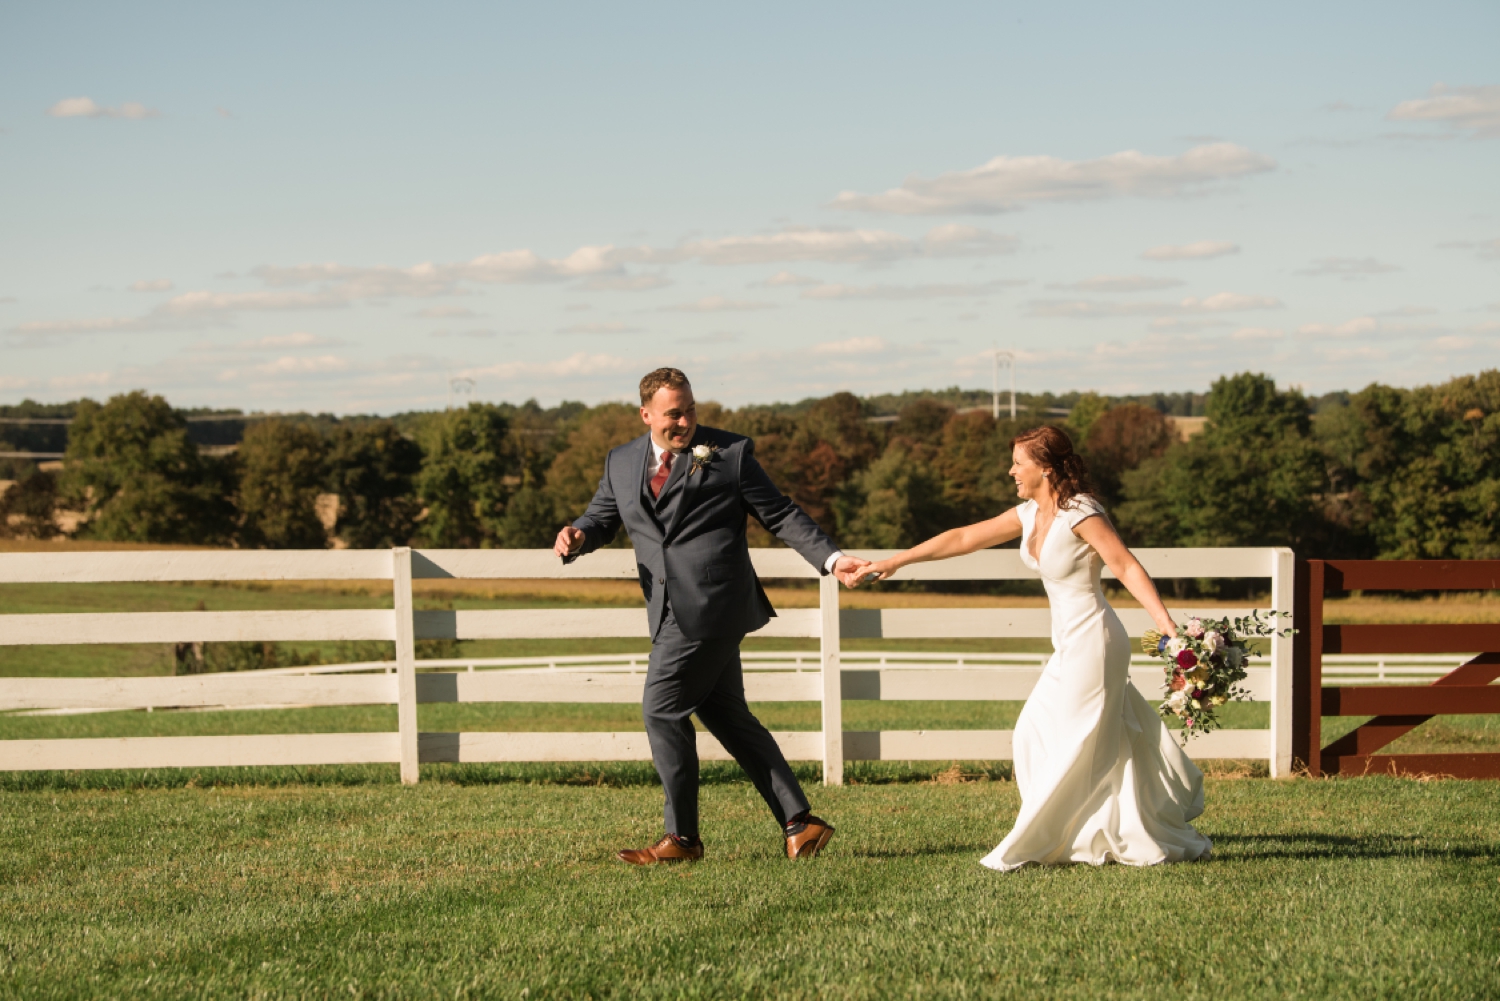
x=487, y=883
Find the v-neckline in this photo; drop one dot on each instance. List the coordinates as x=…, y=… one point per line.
x=1036, y=555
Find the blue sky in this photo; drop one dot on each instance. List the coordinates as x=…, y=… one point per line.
x=343, y=206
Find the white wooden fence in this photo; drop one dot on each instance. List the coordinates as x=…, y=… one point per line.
x=829, y=684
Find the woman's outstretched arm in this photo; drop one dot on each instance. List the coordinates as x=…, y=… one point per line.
x=954, y=542
x=1099, y=533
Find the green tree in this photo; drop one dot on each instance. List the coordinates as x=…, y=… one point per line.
x=973, y=462
x=920, y=426
x=895, y=502
x=1254, y=477
x=281, y=474
x=574, y=474
x=1424, y=467
x=373, y=468
x=1118, y=441
x=1087, y=409
x=463, y=480
x=28, y=508
x=530, y=521
x=137, y=477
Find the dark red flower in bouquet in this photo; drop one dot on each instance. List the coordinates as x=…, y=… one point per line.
x=1178, y=682
x=1197, y=693
x=1187, y=660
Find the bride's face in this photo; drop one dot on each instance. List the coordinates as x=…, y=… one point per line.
x=1028, y=474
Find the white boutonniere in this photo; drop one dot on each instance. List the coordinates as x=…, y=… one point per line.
x=702, y=456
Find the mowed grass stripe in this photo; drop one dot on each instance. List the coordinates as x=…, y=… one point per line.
x=1347, y=888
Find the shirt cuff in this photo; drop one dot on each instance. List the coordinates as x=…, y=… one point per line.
x=828, y=567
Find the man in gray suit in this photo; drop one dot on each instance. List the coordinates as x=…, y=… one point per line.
x=682, y=492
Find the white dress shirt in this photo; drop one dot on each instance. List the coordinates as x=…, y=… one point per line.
x=657, y=452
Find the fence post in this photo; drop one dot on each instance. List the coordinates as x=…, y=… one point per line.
x=406, y=663
x=833, y=682
x=1283, y=584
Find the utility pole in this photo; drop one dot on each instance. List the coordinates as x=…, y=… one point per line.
x=461, y=387
x=1010, y=363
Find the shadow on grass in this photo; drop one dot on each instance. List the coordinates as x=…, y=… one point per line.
x=1248, y=847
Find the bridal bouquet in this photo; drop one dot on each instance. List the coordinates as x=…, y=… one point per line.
x=1204, y=664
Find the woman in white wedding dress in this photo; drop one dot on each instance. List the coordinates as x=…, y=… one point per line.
x=1101, y=778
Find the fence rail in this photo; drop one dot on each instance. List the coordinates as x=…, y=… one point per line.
x=829, y=677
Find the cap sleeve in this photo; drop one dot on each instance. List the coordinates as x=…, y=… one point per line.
x=1081, y=508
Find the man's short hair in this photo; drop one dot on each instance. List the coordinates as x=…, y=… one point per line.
x=669, y=377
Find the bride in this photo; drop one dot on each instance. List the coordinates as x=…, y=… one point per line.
x=1101, y=779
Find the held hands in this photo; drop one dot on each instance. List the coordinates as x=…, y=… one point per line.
x=853, y=571
x=848, y=570
x=568, y=542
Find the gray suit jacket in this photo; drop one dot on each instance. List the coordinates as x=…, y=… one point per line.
x=691, y=542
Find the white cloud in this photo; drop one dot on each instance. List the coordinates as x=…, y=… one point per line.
x=93, y=325
x=1006, y=183
x=599, y=328
x=1348, y=268
x=1222, y=302
x=954, y=240
x=208, y=304
x=81, y=380
x=1199, y=251
x=152, y=285
x=853, y=346
x=1465, y=109
x=1119, y=283
x=303, y=365
x=1356, y=327
x=7, y=299
x=223, y=112
x=1487, y=250
x=718, y=304
x=299, y=339
x=1451, y=343
x=785, y=278
x=14, y=382
x=829, y=245
x=444, y=312
x=935, y=291
x=836, y=246
x=717, y=337
x=1185, y=324
x=84, y=107
x=1258, y=334
x=511, y=267
x=483, y=333
x=575, y=365
x=627, y=283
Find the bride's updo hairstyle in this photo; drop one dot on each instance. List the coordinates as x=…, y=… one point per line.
x=1052, y=449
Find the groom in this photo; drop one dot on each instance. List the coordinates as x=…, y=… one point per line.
x=682, y=492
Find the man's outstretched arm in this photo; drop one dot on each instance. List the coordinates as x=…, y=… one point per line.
x=784, y=519
x=597, y=526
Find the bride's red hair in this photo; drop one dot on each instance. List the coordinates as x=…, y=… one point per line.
x=1052, y=449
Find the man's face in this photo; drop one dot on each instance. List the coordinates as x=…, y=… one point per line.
x=672, y=416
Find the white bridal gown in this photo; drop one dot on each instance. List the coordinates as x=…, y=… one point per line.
x=1101, y=778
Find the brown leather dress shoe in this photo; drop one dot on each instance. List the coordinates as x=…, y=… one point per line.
x=668, y=849
x=806, y=839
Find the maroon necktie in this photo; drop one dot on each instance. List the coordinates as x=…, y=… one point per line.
x=660, y=479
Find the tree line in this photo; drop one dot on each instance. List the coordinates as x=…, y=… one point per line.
x=1383, y=472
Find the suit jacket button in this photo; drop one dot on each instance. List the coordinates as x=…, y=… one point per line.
x=661, y=580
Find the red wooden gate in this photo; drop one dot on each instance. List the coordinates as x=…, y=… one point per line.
x=1397, y=709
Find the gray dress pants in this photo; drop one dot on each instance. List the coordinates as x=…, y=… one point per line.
x=689, y=676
